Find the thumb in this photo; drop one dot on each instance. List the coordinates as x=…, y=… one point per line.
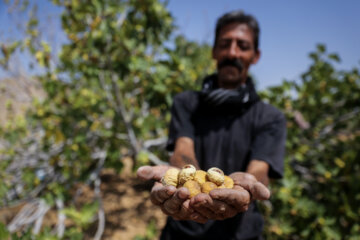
x=151, y=173
x=260, y=192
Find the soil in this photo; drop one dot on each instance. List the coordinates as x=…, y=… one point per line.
x=128, y=208
x=127, y=205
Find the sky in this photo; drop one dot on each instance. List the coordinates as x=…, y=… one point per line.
x=290, y=30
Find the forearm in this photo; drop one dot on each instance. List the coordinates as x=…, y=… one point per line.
x=259, y=169
x=180, y=159
x=184, y=153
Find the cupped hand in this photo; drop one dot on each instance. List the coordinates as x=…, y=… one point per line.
x=152, y=172
x=257, y=190
x=221, y=203
x=172, y=201
x=224, y=203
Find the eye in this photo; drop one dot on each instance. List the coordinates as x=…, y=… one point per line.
x=223, y=44
x=244, y=45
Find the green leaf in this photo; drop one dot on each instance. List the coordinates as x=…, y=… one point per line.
x=334, y=57
x=4, y=233
x=321, y=48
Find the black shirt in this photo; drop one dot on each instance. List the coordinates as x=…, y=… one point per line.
x=227, y=140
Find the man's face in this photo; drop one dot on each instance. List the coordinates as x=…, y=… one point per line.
x=235, y=42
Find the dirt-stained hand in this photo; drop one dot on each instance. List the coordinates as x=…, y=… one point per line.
x=222, y=203
x=172, y=201
x=257, y=190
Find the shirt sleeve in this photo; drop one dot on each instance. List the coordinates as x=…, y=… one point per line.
x=269, y=145
x=180, y=124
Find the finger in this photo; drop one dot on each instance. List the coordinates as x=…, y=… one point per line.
x=152, y=172
x=257, y=190
x=217, y=210
x=260, y=192
x=187, y=213
x=166, y=212
x=222, y=208
x=212, y=209
x=201, y=204
x=236, y=197
x=203, y=210
x=173, y=204
x=197, y=217
x=243, y=179
x=160, y=193
x=184, y=212
x=205, y=200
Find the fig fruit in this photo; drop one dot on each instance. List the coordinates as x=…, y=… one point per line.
x=207, y=187
x=215, y=175
x=171, y=177
x=200, y=176
x=186, y=173
x=193, y=187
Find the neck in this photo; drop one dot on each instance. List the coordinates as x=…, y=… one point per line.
x=231, y=84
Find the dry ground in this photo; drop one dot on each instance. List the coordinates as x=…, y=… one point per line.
x=128, y=207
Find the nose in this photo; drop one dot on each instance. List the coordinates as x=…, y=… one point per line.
x=233, y=51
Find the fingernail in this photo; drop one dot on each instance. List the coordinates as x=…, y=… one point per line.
x=194, y=216
x=170, y=191
x=143, y=171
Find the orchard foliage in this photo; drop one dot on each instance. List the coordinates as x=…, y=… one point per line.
x=319, y=196
x=107, y=97
x=109, y=93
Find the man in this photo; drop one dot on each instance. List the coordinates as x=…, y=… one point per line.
x=226, y=126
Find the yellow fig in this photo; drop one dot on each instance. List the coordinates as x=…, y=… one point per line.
x=228, y=182
x=215, y=175
x=193, y=187
x=171, y=177
x=207, y=187
x=186, y=173
x=200, y=176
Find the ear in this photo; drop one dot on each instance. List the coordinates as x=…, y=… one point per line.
x=256, y=57
x=213, y=53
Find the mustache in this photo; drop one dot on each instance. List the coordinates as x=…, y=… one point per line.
x=231, y=62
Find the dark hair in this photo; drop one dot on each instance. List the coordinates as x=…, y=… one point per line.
x=239, y=16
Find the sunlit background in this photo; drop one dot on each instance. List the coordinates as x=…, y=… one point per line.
x=289, y=30
x=80, y=111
